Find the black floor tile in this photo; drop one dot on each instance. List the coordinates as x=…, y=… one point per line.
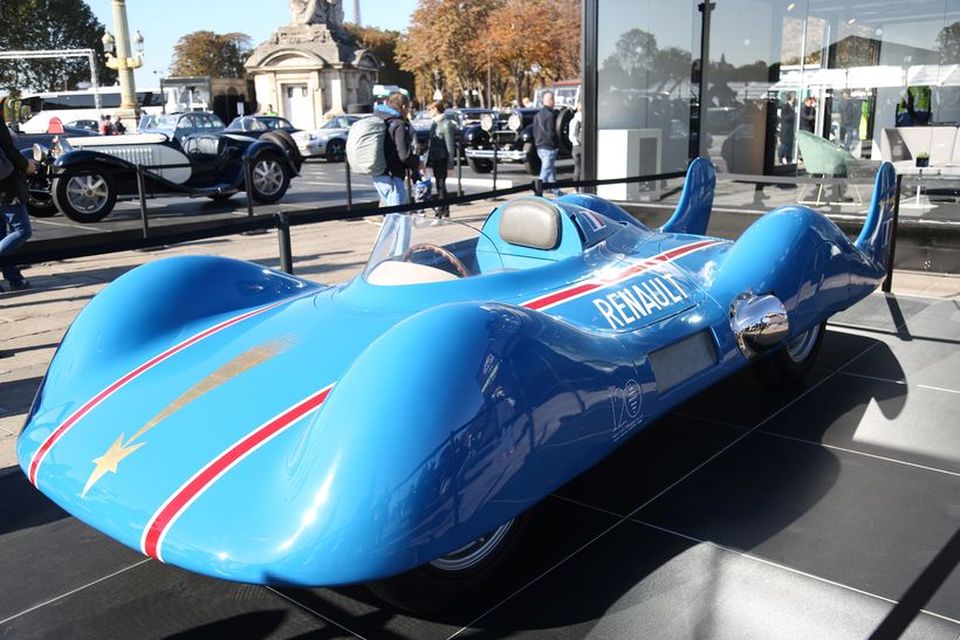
x=841, y=347
x=880, y=311
x=555, y=530
x=158, y=601
x=889, y=419
x=638, y=582
x=44, y=553
x=867, y=523
x=939, y=321
x=744, y=400
x=651, y=461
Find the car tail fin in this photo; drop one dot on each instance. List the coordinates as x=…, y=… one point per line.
x=874, y=239
x=693, y=211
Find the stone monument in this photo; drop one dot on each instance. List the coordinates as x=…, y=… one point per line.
x=312, y=68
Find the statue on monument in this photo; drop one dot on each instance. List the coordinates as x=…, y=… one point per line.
x=310, y=12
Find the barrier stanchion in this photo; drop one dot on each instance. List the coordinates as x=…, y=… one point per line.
x=495, y=161
x=283, y=238
x=538, y=187
x=248, y=177
x=141, y=189
x=346, y=164
x=459, y=170
x=887, y=286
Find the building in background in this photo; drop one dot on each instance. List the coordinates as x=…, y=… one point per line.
x=781, y=76
x=312, y=69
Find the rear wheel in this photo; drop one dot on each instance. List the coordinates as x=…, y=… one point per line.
x=480, y=165
x=286, y=142
x=84, y=194
x=336, y=150
x=794, y=360
x=271, y=178
x=456, y=576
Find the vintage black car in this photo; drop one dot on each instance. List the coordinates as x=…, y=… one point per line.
x=256, y=126
x=507, y=136
x=84, y=177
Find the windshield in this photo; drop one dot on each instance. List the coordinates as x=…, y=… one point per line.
x=246, y=124
x=414, y=249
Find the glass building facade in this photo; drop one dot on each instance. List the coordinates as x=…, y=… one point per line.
x=790, y=87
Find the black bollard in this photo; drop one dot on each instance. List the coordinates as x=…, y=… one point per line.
x=283, y=237
x=141, y=189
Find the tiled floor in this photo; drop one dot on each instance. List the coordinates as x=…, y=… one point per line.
x=831, y=510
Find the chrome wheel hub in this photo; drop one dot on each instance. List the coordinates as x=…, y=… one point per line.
x=472, y=554
x=268, y=177
x=800, y=347
x=87, y=194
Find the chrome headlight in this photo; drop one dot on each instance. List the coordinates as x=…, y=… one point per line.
x=487, y=122
x=39, y=152
x=515, y=122
x=759, y=322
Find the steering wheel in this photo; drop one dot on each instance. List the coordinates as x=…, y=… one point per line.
x=440, y=251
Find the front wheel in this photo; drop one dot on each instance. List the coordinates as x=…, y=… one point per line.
x=531, y=160
x=336, y=150
x=454, y=577
x=271, y=178
x=480, y=165
x=41, y=206
x=84, y=194
x=794, y=360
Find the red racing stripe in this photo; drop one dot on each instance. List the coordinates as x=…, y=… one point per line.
x=583, y=288
x=90, y=405
x=168, y=513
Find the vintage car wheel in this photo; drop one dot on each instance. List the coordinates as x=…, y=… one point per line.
x=271, y=178
x=286, y=142
x=531, y=162
x=84, y=194
x=480, y=165
x=444, y=582
x=336, y=150
x=41, y=207
x=564, y=117
x=791, y=362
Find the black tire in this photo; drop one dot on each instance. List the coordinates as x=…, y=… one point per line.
x=792, y=362
x=286, y=142
x=336, y=150
x=271, y=178
x=531, y=161
x=564, y=117
x=40, y=207
x=480, y=165
x=84, y=193
x=430, y=588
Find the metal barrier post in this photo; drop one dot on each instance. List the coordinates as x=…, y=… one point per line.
x=346, y=164
x=141, y=189
x=283, y=237
x=248, y=177
x=495, y=162
x=459, y=169
x=892, y=254
x=538, y=187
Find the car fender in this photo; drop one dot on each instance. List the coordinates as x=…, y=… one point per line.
x=85, y=157
x=261, y=147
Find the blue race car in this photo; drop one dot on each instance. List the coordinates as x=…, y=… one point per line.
x=253, y=426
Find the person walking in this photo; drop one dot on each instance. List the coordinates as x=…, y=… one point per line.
x=546, y=140
x=104, y=126
x=850, y=109
x=788, y=125
x=397, y=149
x=117, y=127
x=441, y=153
x=576, y=142
x=13, y=205
x=808, y=114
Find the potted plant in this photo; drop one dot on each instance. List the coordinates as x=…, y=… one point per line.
x=923, y=159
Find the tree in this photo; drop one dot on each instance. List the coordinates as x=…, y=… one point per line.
x=50, y=24
x=383, y=44
x=948, y=42
x=205, y=53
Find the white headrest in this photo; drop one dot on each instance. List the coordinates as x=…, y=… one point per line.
x=530, y=222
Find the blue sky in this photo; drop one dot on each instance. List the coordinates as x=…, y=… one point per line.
x=163, y=23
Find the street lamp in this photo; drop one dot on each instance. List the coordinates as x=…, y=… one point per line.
x=119, y=58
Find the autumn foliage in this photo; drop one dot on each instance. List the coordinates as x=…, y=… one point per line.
x=205, y=53
x=465, y=47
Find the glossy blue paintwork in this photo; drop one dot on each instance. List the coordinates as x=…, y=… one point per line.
x=456, y=405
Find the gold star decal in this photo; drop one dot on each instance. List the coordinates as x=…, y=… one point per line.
x=108, y=462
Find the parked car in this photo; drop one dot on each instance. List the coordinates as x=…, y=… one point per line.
x=329, y=141
x=84, y=177
x=88, y=125
x=510, y=133
x=177, y=126
x=257, y=427
x=256, y=126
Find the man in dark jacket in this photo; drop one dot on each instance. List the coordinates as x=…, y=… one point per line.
x=808, y=114
x=546, y=139
x=398, y=151
x=788, y=124
x=14, y=219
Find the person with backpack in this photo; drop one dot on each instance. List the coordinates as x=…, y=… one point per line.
x=382, y=146
x=441, y=153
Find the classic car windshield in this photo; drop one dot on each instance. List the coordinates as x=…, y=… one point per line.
x=413, y=249
x=247, y=124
